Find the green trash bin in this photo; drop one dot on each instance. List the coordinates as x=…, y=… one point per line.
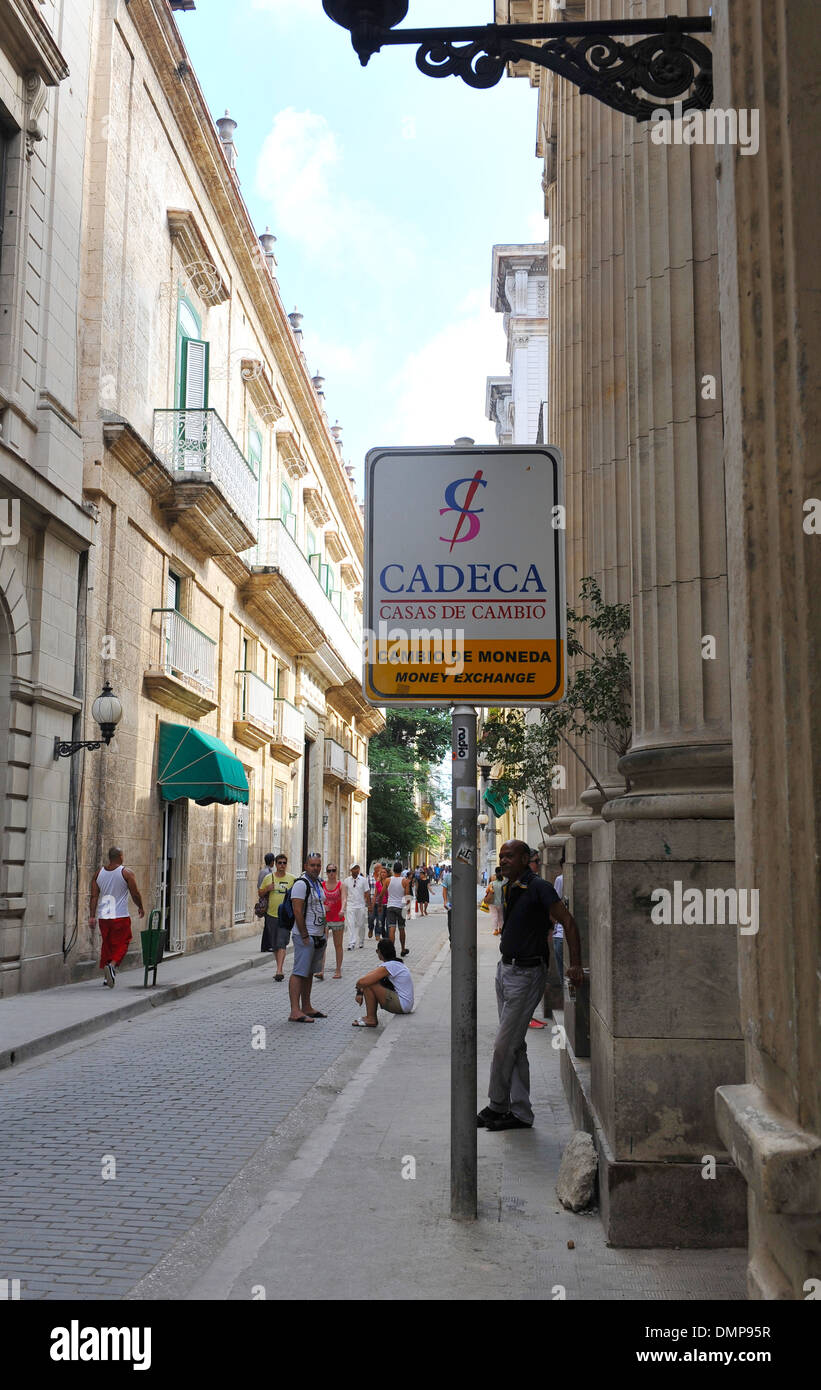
x=152, y=942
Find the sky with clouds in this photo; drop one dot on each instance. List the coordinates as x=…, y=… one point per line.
x=387, y=191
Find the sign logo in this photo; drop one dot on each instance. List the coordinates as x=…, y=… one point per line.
x=465, y=510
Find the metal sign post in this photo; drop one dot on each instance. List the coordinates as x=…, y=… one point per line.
x=465, y=602
x=463, y=1133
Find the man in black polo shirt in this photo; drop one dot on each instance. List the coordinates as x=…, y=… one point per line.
x=529, y=906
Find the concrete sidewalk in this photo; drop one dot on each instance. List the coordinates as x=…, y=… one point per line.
x=349, y=1198
x=34, y=1023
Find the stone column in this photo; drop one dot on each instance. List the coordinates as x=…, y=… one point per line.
x=607, y=535
x=566, y=367
x=766, y=55
x=664, y=999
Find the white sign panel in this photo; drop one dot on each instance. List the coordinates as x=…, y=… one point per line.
x=464, y=576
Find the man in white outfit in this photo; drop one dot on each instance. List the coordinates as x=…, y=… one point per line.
x=356, y=904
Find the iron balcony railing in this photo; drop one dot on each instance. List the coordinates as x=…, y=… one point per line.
x=186, y=651
x=277, y=548
x=289, y=724
x=197, y=441
x=256, y=700
x=334, y=758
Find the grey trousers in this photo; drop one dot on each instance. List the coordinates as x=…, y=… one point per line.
x=518, y=992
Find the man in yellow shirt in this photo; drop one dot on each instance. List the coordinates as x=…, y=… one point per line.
x=276, y=885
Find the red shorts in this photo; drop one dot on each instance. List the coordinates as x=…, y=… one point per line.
x=116, y=934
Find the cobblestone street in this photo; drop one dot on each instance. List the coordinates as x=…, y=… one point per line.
x=180, y=1099
x=244, y=1172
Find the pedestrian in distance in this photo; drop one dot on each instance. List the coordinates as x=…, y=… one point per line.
x=398, y=898
x=356, y=902
x=423, y=891
x=275, y=883
x=530, y=907
x=309, y=937
x=493, y=901
x=334, y=915
x=388, y=987
x=110, y=889
x=447, y=884
x=267, y=868
x=380, y=909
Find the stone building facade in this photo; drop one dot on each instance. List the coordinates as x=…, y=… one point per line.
x=516, y=405
x=45, y=525
x=681, y=323
x=221, y=593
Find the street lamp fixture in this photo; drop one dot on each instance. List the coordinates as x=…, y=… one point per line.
x=107, y=712
x=666, y=63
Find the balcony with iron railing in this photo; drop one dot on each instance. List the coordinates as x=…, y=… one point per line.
x=214, y=490
x=335, y=767
x=288, y=597
x=351, y=777
x=288, y=742
x=363, y=782
x=254, y=720
x=183, y=677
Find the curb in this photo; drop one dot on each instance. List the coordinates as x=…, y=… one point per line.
x=166, y=994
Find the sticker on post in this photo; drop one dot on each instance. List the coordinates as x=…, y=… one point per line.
x=465, y=854
x=461, y=742
x=466, y=798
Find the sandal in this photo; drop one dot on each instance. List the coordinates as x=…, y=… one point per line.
x=337, y=976
x=360, y=1023
x=279, y=977
x=319, y=977
x=306, y=1018
x=316, y=1015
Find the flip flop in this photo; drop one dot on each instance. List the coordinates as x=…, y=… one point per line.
x=360, y=1023
x=306, y=1018
x=316, y=1015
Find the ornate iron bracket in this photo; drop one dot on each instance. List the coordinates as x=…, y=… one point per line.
x=666, y=63
x=64, y=749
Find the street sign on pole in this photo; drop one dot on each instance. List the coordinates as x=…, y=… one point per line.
x=464, y=606
x=464, y=576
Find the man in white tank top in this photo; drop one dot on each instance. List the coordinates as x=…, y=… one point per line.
x=398, y=891
x=109, y=890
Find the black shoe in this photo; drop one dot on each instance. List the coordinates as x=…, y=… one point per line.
x=508, y=1121
x=485, y=1116
x=406, y=953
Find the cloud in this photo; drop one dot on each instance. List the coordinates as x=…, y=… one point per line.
x=301, y=175
x=439, y=394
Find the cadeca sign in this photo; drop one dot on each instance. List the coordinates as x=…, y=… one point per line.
x=464, y=576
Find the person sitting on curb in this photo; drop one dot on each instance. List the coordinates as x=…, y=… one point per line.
x=389, y=987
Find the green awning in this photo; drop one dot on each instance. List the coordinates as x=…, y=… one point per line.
x=199, y=767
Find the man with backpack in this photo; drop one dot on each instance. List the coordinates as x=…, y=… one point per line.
x=305, y=904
